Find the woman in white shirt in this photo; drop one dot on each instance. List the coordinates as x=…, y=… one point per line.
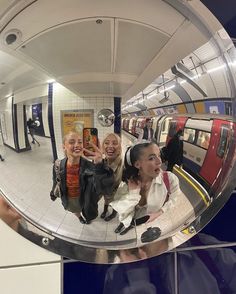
x=143, y=190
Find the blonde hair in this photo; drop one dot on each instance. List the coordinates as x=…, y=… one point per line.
x=66, y=136
x=117, y=138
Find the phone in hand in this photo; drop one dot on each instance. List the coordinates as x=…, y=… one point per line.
x=90, y=135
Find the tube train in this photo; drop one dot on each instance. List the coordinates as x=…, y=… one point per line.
x=209, y=143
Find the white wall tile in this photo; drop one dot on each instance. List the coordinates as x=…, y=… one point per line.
x=63, y=99
x=16, y=250
x=39, y=279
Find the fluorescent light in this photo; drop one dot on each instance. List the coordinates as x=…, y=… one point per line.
x=152, y=95
x=166, y=89
x=183, y=82
x=215, y=68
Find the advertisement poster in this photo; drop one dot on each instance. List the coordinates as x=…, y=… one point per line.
x=76, y=120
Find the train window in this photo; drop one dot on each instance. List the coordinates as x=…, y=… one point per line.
x=203, y=139
x=172, y=129
x=224, y=132
x=189, y=135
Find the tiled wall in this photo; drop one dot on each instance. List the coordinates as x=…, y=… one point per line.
x=63, y=99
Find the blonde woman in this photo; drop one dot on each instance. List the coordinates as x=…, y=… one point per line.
x=111, y=148
x=81, y=181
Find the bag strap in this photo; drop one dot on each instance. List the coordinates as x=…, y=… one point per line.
x=167, y=184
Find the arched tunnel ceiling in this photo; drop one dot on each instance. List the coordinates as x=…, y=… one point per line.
x=119, y=57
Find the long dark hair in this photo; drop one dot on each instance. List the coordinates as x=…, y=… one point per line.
x=133, y=154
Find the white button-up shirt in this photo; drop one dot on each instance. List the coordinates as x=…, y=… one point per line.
x=126, y=201
x=158, y=192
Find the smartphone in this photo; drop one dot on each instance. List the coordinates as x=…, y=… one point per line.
x=90, y=135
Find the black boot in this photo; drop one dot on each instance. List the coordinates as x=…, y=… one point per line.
x=84, y=221
x=104, y=211
x=127, y=229
x=119, y=228
x=111, y=216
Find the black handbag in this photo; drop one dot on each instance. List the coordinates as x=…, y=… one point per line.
x=56, y=190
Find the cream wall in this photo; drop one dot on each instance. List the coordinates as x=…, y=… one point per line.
x=35, y=95
x=32, y=93
x=20, y=126
x=25, y=267
x=45, y=116
x=6, y=112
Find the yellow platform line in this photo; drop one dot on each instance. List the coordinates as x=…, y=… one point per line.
x=207, y=202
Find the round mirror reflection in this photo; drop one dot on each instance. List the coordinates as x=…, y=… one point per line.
x=106, y=117
x=169, y=70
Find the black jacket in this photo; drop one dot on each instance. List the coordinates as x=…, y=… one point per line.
x=94, y=180
x=145, y=133
x=175, y=151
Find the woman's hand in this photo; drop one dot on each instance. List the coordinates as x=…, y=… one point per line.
x=8, y=214
x=154, y=215
x=95, y=155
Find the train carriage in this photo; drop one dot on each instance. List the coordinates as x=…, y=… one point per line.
x=206, y=143
x=206, y=140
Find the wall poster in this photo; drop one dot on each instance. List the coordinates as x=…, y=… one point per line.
x=76, y=120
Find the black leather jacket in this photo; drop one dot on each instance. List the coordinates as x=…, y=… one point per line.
x=94, y=180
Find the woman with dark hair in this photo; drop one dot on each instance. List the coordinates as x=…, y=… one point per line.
x=143, y=187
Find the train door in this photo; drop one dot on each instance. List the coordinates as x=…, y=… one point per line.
x=139, y=126
x=134, y=126
x=131, y=124
x=195, y=131
x=163, y=129
x=174, y=124
x=122, y=122
x=154, y=125
x=126, y=124
x=216, y=151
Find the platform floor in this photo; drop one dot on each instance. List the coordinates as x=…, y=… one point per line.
x=26, y=180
